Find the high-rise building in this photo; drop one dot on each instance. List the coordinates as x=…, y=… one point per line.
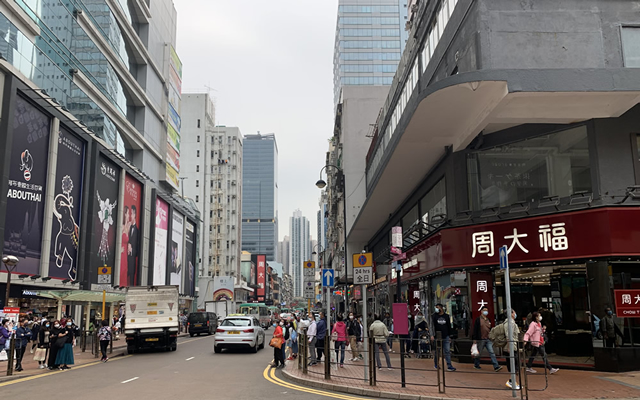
x=283, y=254
x=260, y=195
x=370, y=37
x=300, y=249
x=211, y=175
x=90, y=148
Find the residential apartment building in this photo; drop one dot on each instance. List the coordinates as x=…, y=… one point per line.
x=91, y=103
x=512, y=124
x=260, y=195
x=284, y=247
x=300, y=249
x=370, y=38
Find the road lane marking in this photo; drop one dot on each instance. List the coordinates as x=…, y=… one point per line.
x=270, y=375
x=130, y=380
x=29, y=378
x=190, y=358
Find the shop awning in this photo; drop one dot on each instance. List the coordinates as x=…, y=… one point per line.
x=81, y=295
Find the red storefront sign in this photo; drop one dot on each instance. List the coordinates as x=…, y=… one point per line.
x=262, y=276
x=627, y=303
x=414, y=298
x=580, y=234
x=481, y=289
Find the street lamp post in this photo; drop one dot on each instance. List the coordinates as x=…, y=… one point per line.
x=320, y=255
x=10, y=263
x=321, y=184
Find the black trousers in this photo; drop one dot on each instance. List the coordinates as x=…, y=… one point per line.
x=104, y=344
x=53, y=353
x=278, y=358
x=320, y=348
x=19, y=356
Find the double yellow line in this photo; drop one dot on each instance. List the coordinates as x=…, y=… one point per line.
x=270, y=375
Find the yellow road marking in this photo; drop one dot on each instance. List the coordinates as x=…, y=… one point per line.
x=29, y=378
x=270, y=375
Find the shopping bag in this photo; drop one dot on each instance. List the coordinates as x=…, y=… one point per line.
x=3, y=355
x=40, y=355
x=276, y=342
x=474, y=350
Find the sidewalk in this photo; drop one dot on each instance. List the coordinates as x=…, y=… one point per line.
x=422, y=384
x=31, y=367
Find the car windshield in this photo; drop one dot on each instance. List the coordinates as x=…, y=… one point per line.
x=197, y=318
x=236, y=322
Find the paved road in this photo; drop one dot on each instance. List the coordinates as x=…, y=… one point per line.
x=193, y=371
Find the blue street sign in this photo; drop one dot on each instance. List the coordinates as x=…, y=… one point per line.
x=327, y=277
x=504, y=257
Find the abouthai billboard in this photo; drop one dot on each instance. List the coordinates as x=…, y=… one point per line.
x=26, y=186
x=105, y=221
x=65, y=231
x=177, y=242
x=161, y=239
x=131, y=234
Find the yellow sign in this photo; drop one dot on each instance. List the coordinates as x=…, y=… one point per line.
x=152, y=313
x=362, y=260
x=309, y=264
x=104, y=270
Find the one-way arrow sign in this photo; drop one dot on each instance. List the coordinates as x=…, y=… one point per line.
x=327, y=277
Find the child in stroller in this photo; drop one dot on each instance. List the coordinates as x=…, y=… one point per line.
x=424, y=345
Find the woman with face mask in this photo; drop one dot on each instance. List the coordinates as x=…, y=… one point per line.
x=64, y=358
x=54, y=335
x=43, y=341
x=535, y=337
x=278, y=333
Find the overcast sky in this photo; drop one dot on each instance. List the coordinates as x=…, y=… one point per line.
x=270, y=63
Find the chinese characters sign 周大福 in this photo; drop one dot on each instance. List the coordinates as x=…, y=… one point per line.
x=627, y=302
x=481, y=287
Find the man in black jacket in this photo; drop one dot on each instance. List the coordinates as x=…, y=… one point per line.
x=353, y=330
x=480, y=336
x=442, y=324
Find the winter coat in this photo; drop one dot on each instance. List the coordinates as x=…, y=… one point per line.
x=340, y=328
x=533, y=334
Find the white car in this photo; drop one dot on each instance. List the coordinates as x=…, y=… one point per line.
x=238, y=331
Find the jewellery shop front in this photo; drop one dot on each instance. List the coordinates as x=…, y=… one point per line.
x=569, y=266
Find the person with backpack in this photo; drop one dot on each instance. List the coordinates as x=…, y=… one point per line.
x=104, y=334
x=442, y=324
x=499, y=337
x=535, y=336
x=480, y=336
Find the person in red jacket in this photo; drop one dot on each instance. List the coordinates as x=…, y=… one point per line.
x=340, y=333
x=278, y=359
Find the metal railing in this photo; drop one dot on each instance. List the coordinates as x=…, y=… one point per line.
x=416, y=373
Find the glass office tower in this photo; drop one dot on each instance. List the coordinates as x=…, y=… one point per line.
x=370, y=38
x=260, y=195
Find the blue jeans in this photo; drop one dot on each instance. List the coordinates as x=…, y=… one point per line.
x=339, y=345
x=446, y=347
x=486, y=344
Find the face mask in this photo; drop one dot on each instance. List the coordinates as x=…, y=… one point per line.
x=281, y=324
x=68, y=323
x=47, y=325
x=610, y=312
x=57, y=325
x=515, y=315
x=437, y=310
x=539, y=317
x=350, y=316
x=274, y=325
x=485, y=313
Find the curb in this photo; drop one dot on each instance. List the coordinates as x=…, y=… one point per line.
x=3, y=379
x=360, y=391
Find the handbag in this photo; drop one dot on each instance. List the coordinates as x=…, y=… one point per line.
x=3, y=355
x=334, y=336
x=60, y=342
x=40, y=354
x=474, y=350
x=276, y=342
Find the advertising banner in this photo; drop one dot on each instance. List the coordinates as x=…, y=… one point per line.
x=105, y=220
x=175, y=62
x=172, y=175
x=65, y=231
x=161, y=239
x=27, y=183
x=173, y=158
x=173, y=137
x=481, y=289
x=174, y=97
x=174, y=118
x=262, y=276
x=177, y=241
x=189, y=258
x=223, y=288
x=131, y=235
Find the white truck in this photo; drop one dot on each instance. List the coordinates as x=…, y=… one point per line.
x=151, y=318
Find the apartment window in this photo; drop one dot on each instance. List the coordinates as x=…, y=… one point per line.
x=197, y=198
x=197, y=153
x=197, y=168
x=198, y=138
x=197, y=183
x=198, y=126
x=631, y=46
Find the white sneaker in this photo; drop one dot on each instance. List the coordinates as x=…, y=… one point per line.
x=554, y=370
x=531, y=371
x=41, y=366
x=508, y=384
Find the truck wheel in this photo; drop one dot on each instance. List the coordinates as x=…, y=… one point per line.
x=217, y=349
x=174, y=347
x=191, y=334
